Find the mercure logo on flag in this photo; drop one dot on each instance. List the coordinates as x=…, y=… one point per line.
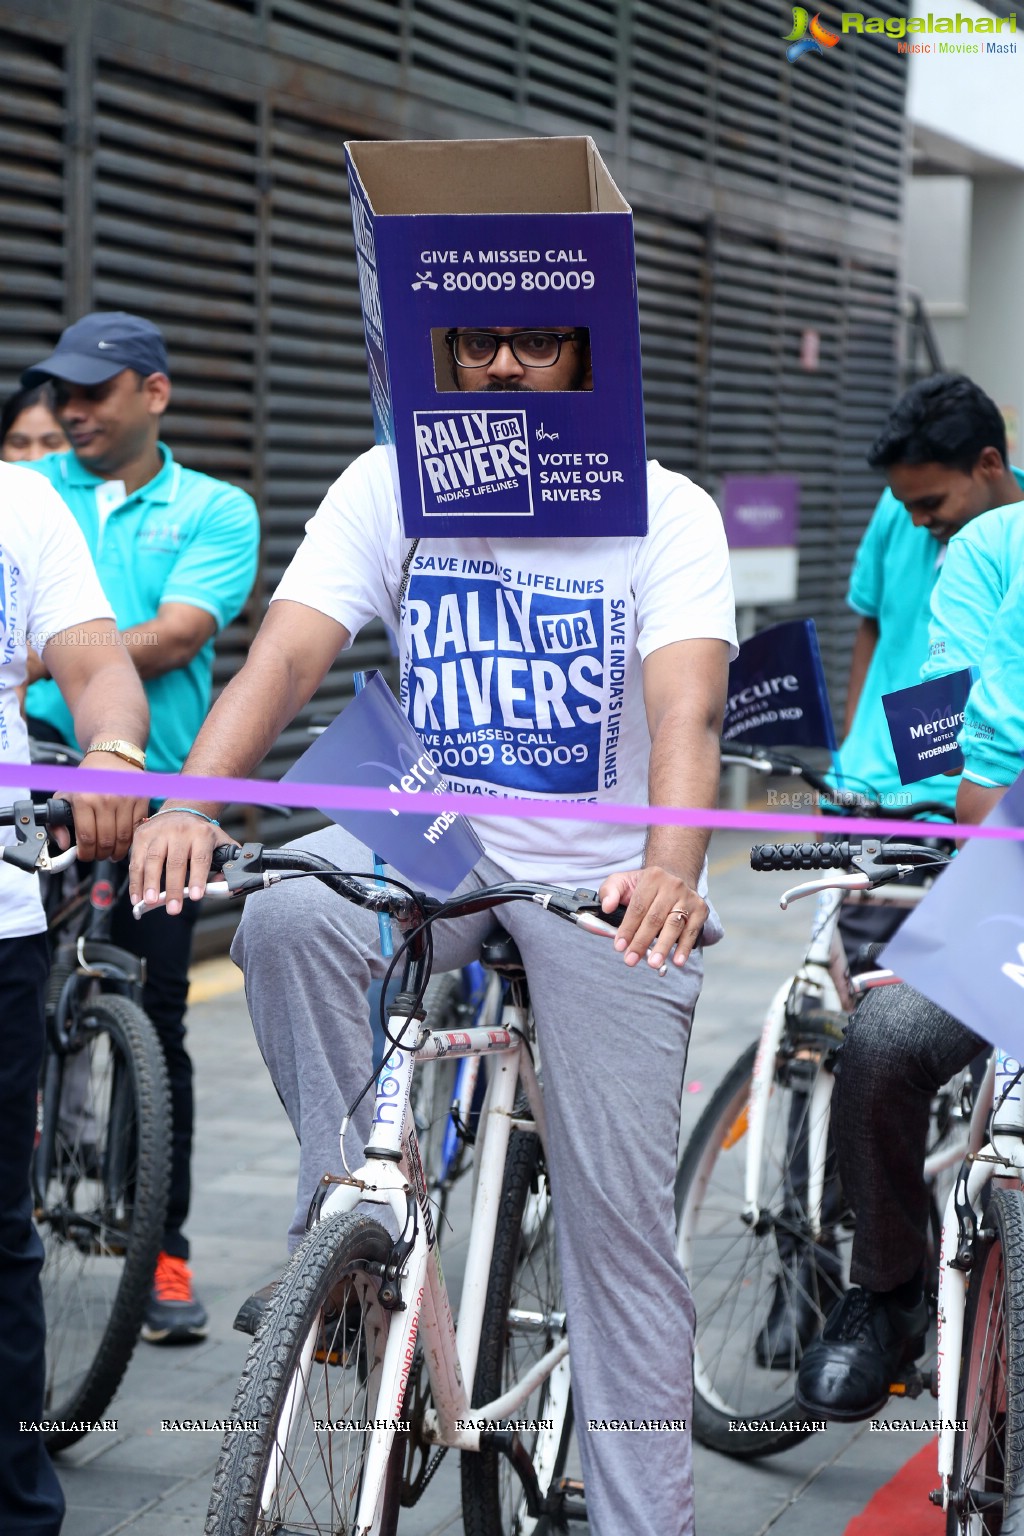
x=777, y=691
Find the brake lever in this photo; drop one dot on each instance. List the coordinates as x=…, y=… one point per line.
x=584, y=909
x=853, y=882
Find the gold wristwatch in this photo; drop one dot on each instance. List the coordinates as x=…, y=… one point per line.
x=124, y=749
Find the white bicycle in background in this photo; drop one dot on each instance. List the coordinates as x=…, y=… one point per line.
x=979, y=1373
x=764, y=1232
x=358, y=1382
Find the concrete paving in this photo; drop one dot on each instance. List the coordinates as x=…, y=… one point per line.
x=149, y=1482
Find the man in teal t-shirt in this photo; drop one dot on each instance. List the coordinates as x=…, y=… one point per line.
x=992, y=738
x=981, y=565
x=943, y=449
x=944, y=453
x=899, y=1048
x=176, y=554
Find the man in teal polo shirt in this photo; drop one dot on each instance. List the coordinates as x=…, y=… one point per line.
x=176, y=553
x=943, y=450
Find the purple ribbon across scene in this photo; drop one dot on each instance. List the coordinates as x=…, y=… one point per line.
x=101, y=781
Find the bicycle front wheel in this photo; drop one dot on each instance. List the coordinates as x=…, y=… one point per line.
x=523, y=1319
x=313, y=1375
x=989, y=1455
x=100, y=1178
x=762, y=1291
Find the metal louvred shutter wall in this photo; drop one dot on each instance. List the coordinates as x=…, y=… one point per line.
x=33, y=213
x=671, y=121
x=670, y=256
x=363, y=26
x=217, y=204
x=572, y=60
x=483, y=60
x=767, y=412
x=318, y=411
x=176, y=221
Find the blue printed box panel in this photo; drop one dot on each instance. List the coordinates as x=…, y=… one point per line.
x=513, y=462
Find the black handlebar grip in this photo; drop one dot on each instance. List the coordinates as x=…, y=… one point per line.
x=58, y=814
x=777, y=856
x=223, y=854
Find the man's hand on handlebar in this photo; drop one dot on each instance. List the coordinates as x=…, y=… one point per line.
x=173, y=853
x=663, y=911
x=104, y=824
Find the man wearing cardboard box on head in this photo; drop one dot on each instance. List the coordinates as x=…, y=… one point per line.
x=565, y=619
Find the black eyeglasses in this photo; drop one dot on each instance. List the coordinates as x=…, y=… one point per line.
x=533, y=349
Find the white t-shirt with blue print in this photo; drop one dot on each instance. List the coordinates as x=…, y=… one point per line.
x=521, y=659
x=47, y=584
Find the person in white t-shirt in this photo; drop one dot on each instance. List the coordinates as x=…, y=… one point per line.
x=50, y=597
x=612, y=655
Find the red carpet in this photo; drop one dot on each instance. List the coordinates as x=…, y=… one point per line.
x=901, y=1507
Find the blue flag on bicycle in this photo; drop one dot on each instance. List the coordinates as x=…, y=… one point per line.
x=372, y=745
x=964, y=945
x=777, y=691
x=924, y=721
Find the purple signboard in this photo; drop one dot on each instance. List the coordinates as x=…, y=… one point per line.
x=507, y=460
x=760, y=511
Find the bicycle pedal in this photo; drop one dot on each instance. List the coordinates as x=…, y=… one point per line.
x=912, y=1385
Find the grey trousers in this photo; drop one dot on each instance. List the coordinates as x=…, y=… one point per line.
x=613, y=1042
x=898, y=1050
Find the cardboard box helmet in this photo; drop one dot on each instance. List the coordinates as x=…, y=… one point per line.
x=459, y=244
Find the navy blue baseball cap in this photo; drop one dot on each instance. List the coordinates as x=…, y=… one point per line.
x=98, y=346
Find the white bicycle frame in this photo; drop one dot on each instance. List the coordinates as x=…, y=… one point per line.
x=822, y=972
x=1000, y=1158
x=393, y=1177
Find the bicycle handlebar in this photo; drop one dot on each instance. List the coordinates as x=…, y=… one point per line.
x=784, y=856
x=31, y=852
x=785, y=765
x=776, y=856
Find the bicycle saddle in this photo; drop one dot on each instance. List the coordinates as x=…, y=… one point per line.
x=500, y=953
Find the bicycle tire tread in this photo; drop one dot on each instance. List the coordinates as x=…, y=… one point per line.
x=152, y=1179
x=710, y=1426
x=1006, y=1211
x=286, y=1322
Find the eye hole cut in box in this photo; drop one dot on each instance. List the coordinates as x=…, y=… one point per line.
x=499, y=236
x=548, y=358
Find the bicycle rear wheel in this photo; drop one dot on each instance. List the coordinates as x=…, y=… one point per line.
x=523, y=1319
x=989, y=1456
x=756, y=1285
x=100, y=1178
x=314, y=1367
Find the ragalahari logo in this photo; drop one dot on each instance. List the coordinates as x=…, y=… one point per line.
x=799, y=43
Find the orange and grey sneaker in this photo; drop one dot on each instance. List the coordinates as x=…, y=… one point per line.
x=174, y=1314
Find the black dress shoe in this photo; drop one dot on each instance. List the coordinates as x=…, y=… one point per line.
x=250, y=1313
x=865, y=1344
x=340, y=1334
x=804, y=1292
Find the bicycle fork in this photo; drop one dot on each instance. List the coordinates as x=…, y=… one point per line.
x=817, y=1125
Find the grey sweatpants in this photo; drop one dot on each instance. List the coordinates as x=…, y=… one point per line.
x=613, y=1042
